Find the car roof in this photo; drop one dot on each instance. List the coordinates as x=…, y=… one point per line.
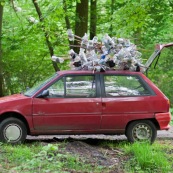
x=125, y=72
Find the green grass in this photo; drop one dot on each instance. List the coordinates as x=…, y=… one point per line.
x=147, y=158
x=46, y=158
x=143, y=157
x=37, y=158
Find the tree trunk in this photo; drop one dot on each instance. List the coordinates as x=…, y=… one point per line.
x=50, y=47
x=67, y=21
x=93, y=18
x=66, y=16
x=1, y=76
x=81, y=25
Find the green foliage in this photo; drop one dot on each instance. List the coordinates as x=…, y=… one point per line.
x=40, y=158
x=26, y=57
x=147, y=158
x=162, y=74
x=53, y=157
x=18, y=153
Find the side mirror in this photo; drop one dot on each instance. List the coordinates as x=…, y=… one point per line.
x=45, y=93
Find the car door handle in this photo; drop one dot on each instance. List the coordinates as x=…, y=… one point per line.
x=104, y=105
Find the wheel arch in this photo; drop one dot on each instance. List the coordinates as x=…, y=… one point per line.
x=154, y=121
x=15, y=115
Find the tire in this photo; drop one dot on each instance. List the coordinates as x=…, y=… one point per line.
x=143, y=130
x=12, y=130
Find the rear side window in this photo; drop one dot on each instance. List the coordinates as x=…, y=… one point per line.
x=122, y=85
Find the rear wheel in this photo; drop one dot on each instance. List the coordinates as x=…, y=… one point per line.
x=12, y=130
x=143, y=130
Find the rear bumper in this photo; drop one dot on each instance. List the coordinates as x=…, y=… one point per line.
x=163, y=119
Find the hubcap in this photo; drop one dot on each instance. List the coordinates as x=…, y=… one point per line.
x=12, y=132
x=142, y=132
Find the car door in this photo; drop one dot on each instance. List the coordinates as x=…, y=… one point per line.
x=125, y=98
x=72, y=104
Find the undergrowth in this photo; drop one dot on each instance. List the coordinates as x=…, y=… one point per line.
x=147, y=158
x=142, y=157
x=53, y=158
x=37, y=158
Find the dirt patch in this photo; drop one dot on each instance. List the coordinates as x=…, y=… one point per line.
x=94, y=154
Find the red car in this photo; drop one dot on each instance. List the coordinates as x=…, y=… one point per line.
x=83, y=102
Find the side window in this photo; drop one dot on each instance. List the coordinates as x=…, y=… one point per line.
x=73, y=86
x=80, y=86
x=57, y=89
x=120, y=85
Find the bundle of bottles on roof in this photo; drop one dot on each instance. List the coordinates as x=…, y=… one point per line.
x=110, y=53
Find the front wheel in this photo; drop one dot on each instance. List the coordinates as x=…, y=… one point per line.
x=12, y=130
x=141, y=130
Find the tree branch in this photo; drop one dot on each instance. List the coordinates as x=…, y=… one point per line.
x=50, y=47
x=67, y=21
x=1, y=76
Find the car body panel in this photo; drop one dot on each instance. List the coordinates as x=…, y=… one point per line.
x=67, y=114
x=16, y=103
x=163, y=120
x=118, y=111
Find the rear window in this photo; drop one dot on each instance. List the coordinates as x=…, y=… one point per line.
x=122, y=85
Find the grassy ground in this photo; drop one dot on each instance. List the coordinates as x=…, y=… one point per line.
x=87, y=156
x=171, y=110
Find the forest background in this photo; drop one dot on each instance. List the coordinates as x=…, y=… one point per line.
x=34, y=30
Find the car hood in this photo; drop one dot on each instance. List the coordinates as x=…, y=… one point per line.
x=16, y=103
x=12, y=98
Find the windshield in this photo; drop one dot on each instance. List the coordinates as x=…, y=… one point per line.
x=39, y=85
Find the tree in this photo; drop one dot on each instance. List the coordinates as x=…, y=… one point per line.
x=1, y=65
x=50, y=47
x=93, y=18
x=67, y=21
x=81, y=25
x=26, y=57
x=81, y=21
